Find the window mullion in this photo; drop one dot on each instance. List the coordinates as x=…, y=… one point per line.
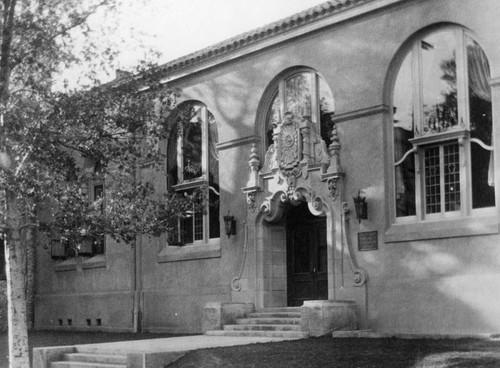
x=462, y=82
x=418, y=119
x=180, y=156
x=465, y=178
x=442, y=176
x=315, y=101
x=419, y=184
x=464, y=119
x=205, y=168
x=282, y=99
x=417, y=77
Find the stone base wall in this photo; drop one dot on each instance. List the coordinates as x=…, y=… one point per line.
x=320, y=317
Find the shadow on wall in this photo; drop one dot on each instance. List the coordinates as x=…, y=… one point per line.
x=448, y=286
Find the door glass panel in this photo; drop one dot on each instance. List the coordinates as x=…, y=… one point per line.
x=439, y=82
x=322, y=251
x=301, y=251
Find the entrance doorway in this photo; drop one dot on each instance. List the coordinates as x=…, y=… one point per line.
x=307, y=267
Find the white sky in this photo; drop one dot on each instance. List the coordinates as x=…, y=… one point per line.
x=179, y=27
x=175, y=28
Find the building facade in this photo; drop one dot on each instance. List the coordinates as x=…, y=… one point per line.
x=354, y=145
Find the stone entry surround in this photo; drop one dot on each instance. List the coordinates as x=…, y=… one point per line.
x=318, y=317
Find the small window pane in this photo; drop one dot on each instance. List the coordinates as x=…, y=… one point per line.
x=326, y=110
x=439, y=81
x=198, y=225
x=403, y=131
x=451, y=177
x=432, y=181
x=187, y=228
x=214, y=213
x=483, y=190
x=272, y=119
x=192, y=144
x=298, y=94
x=213, y=153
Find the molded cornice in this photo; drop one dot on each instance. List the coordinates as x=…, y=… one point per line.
x=310, y=20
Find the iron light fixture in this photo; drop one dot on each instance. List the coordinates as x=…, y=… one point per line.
x=361, y=206
x=229, y=225
x=57, y=249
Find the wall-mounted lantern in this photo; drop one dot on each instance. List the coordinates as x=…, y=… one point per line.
x=361, y=206
x=229, y=225
x=85, y=246
x=57, y=249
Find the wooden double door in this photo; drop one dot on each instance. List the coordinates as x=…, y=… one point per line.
x=307, y=267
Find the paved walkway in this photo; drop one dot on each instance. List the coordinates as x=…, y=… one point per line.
x=173, y=344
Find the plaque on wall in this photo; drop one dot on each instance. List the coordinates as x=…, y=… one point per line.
x=368, y=241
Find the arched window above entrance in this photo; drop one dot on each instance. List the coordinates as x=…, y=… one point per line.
x=303, y=93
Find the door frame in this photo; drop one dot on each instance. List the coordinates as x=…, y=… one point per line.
x=310, y=224
x=269, y=239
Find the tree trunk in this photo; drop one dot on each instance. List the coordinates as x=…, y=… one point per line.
x=16, y=293
x=29, y=240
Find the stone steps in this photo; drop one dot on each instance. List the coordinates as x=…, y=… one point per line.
x=281, y=334
x=266, y=322
x=83, y=360
x=258, y=327
x=279, y=310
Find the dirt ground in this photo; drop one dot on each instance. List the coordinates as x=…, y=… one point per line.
x=314, y=352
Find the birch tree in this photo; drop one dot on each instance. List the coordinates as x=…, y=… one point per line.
x=45, y=136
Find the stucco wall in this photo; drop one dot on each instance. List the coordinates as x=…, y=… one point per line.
x=3, y=305
x=431, y=286
x=94, y=293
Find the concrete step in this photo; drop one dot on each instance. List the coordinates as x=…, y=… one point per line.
x=96, y=358
x=279, y=310
x=268, y=321
x=281, y=334
x=258, y=327
x=69, y=364
x=274, y=315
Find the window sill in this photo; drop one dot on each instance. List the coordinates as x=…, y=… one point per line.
x=443, y=228
x=189, y=252
x=71, y=264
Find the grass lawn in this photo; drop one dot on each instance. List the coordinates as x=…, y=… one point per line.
x=313, y=352
x=351, y=353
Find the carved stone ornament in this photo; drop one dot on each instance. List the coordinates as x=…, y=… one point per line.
x=291, y=179
x=289, y=144
x=332, y=187
x=251, y=201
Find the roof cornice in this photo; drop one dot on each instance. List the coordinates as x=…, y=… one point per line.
x=305, y=22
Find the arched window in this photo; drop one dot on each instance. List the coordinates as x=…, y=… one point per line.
x=442, y=125
x=193, y=170
x=305, y=94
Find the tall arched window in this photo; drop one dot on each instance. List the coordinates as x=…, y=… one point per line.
x=442, y=124
x=305, y=94
x=193, y=170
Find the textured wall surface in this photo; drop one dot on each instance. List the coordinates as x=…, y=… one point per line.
x=426, y=285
